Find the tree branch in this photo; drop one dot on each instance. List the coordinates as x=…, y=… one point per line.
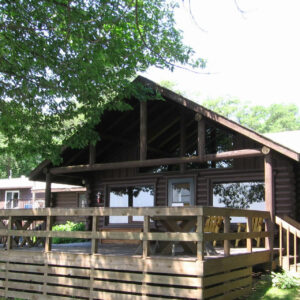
x=157, y=54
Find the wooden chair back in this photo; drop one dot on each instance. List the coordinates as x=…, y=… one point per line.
x=213, y=224
x=257, y=226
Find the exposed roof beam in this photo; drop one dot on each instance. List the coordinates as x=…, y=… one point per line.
x=158, y=162
x=220, y=119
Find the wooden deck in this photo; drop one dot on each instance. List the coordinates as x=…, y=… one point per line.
x=104, y=271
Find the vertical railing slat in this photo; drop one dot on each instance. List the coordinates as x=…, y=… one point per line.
x=288, y=247
x=280, y=245
x=48, y=241
x=295, y=251
x=249, y=229
x=146, y=242
x=226, y=230
x=200, y=231
x=9, y=237
x=94, y=246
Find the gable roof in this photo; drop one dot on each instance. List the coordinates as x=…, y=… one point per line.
x=209, y=114
x=260, y=138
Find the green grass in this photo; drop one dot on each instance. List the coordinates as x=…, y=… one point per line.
x=263, y=290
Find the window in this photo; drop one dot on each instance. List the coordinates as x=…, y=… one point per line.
x=130, y=196
x=82, y=201
x=181, y=192
x=245, y=195
x=11, y=199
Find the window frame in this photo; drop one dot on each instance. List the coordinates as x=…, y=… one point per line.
x=190, y=180
x=130, y=218
x=13, y=192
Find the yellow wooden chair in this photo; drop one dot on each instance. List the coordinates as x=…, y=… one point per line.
x=257, y=226
x=213, y=224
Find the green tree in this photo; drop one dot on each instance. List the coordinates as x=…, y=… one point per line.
x=263, y=119
x=63, y=62
x=16, y=165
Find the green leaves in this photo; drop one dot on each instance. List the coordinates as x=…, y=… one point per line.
x=273, y=118
x=239, y=194
x=61, y=61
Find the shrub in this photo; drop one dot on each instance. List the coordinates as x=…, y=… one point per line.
x=285, y=280
x=69, y=226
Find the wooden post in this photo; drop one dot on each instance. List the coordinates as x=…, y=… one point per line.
x=226, y=230
x=48, y=189
x=182, y=139
x=269, y=199
x=269, y=241
x=249, y=229
x=9, y=237
x=145, y=254
x=48, y=242
x=201, y=135
x=288, y=248
x=280, y=245
x=92, y=154
x=146, y=242
x=94, y=247
x=200, y=231
x=143, y=130
x=269, y=182
x=295, y=251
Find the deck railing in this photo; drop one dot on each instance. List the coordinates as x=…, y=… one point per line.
x=53, y=274
x=291, y=227
x=18, y=225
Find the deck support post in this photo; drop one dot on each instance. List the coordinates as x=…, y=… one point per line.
x=269, y=183
x=201, y=135
x=200, y=244
x=146, y=242
x=9, y=238
x=249, y=229
x=288, y=248
x=48, y=189
x=269, y=198
x=143, y=130
x=280, y=246
x=48, y=241
x=94, y=246
x=226, y=230
x=182, y=139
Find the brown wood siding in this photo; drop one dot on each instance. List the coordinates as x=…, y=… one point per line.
x=297, y=173
x=66, y=200
x=284, y=182
x=202, y=190
x=284, y=186
x=162, y=191
x=242, y=142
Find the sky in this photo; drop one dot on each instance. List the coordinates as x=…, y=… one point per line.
x=252, y=55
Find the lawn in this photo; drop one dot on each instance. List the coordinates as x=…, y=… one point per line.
x=263, y=290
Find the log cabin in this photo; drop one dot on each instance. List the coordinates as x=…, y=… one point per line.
x=160, y=163
x=173, y=152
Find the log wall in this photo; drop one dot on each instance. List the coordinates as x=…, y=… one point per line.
x=284, y=182
x=297, y=172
